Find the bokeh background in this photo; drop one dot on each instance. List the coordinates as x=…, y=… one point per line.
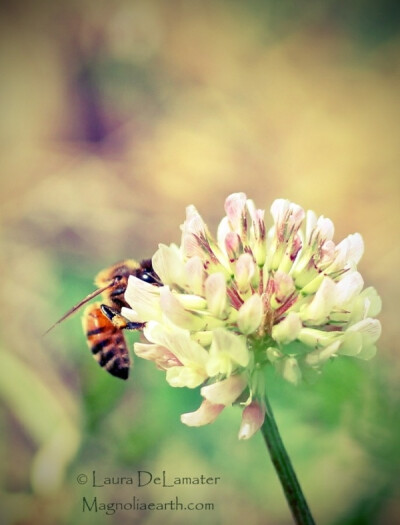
x=115, y=116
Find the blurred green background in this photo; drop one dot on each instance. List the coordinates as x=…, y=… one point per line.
x=115, y=116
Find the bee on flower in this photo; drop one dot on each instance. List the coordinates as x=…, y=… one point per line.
x=285, y=296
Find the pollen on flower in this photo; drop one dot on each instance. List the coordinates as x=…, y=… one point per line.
x=281, y=294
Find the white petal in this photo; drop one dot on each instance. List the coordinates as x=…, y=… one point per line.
x=314, y=337
x=356, y=248
x=225, y=392
x=223, y=229
x=215, y=289
x=291, y=370
x=144, y=298
x=322, y=303
x=168, y=265
x=205, y=414
x=320, y=356
x=348, y=287
x=252, y=420
x=250, y=314
x=204, y=338
x=230, y=344
x=349, y=251
x=311, y=222
x=130, y=314
x=351, y=344
x=288, y=329
x=185, y=376
x=367, y=352
x=374, y=304
x=273, y=354
x=192, y=302
x=369, y=328
x=175, y=311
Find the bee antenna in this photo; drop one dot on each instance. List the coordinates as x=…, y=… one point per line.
x=79, y=305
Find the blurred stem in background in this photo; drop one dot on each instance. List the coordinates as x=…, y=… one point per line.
x=283, y=466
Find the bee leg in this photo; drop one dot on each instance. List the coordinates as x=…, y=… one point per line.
x=119, y=320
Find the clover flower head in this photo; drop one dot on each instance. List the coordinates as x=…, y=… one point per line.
x=285, y=296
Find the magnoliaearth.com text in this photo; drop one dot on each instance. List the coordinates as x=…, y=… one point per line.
x=135, y=504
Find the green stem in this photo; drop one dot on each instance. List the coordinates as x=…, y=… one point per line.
x=283, y=466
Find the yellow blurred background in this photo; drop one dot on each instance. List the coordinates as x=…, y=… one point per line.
x=116, y=116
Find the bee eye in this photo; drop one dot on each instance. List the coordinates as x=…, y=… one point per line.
x=147, y=277
x=117, y=278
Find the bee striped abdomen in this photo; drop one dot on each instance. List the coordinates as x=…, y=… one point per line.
x=106, y=342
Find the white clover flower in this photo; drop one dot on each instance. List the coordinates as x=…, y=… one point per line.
x=286, y=296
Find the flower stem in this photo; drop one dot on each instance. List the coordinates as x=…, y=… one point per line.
x=283, y=466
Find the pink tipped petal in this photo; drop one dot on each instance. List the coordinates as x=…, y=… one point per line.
x=288, y=218
x=225, y=392
x=192, y=229
x=256, y=215
x=244, y=271
x=297, y=215
x=278, y=210
x=207, y=413
x=283, y=286
x=327, y=253
x=233, y=246
x=325, y=228
x=160, y=355
x=252, y=420
x=235, y=209
x=194, y=223
x=187, y=351
x=194, y=273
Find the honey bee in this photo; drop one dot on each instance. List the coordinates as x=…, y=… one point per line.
x=103, y=322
